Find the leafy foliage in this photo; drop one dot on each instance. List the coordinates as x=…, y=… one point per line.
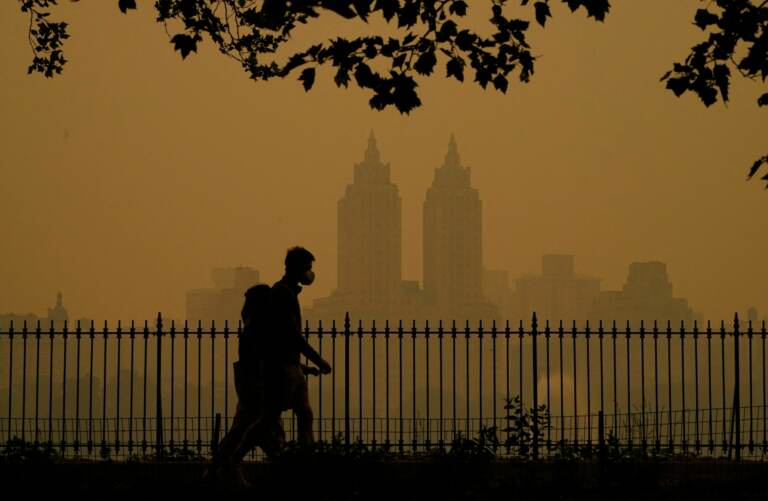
x=525, y=427
x=431, y=35
x=737, y=42
x=18, y=451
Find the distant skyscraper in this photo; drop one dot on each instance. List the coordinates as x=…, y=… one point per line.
x=369, y=232
x=453, y=269
x=369, y=244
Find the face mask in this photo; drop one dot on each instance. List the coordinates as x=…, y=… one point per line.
x=308, y=278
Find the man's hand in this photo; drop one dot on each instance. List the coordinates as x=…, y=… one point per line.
x=325, y=367
x=312, y=371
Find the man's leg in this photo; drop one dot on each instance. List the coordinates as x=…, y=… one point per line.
x=230, y=442
x=301, y=407
x=262, y=433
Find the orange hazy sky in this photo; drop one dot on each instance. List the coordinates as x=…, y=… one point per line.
x=126, y=179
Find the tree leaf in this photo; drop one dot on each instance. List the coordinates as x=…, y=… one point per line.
x=455, y=68
x=184, y=44
x=307, y=78
x=426, y=62
x=124, y=5
x=542, y=12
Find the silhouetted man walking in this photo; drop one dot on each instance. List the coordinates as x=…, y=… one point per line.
x=279, y=384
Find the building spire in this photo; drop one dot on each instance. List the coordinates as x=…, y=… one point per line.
x=59, y=299
x=372, y=153
x=452, y=158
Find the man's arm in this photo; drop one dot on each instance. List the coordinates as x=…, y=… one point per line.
x=290, y=326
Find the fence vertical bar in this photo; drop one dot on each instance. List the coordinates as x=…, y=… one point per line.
x=10, y=381
x=132, y=336
x=226, y=378
x=400, y=384
x=709, y=387
x=63, y=444
x=441, y=442
x=360, y=380
x=751, y=403
x=600, y=334
x=347, y=333
x=172, y=412
x=535, y=379
x=506, y=350
x=629, y=389
x=426, y=380
x=333, y=380
x=574, y=333
x=185, y=334
x=669, y=386
x=51, y=334
x=413, y=386
x=453, y=373
x=547, y=333
x=37, y=383
x=614, y=333
x=644, y=439
x=213, y=376
x=199, y=443
x=91, y=337
x=24, y=380
x=587, y=335
x=560, y=334
x=684, y=429
x=386, y=380
x=521, y=335
x=159, y=404
x=657, y=429
x=722, y=372
x=104, y=385
x=466, y=352
x=697, y=445
x=117, y=402
x=373, y=380
x=480, y=375
x=765, y=417
x=736, y=386
x=320, y=380
x=144, y=443
x=493, y=375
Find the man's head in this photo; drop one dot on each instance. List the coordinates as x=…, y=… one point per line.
x=298, y=265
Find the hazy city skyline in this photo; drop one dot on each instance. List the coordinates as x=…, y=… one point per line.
x=133, y=196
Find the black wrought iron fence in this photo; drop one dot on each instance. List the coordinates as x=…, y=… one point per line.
x=147, y=389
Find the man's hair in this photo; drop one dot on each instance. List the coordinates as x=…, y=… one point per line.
x=298, y=257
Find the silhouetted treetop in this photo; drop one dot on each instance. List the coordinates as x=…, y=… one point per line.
x=431, y=36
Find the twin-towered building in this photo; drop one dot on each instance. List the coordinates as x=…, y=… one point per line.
x=370, y=284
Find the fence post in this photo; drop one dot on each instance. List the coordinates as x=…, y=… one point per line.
x=535, y=389
x=736, y=387
x=159, y=410
x=347, y=333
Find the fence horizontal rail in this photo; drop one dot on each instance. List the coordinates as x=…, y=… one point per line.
x=699, y=389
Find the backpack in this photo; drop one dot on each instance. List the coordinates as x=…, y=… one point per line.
x=255, y=316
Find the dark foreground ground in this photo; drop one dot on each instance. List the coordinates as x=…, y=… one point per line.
x=396, y=480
